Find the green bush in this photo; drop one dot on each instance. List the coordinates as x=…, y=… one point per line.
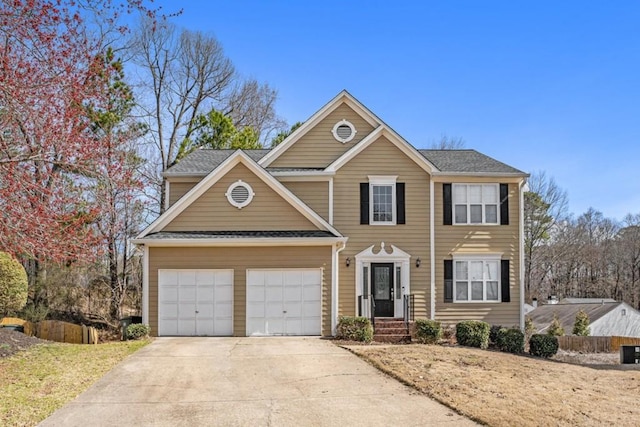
x=473, y=333
x=555, y=328
x=137, y=331
x=354, y=329
x=510, y=340
x=34, y=313
x=428, y=331
x=581, y=325
x=493, y=335
x=543, y=345
x=13, y=285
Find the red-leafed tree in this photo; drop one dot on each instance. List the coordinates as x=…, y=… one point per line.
x=52, y=69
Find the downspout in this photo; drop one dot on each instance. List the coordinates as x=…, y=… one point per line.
x=145, y=286
x=521, y=253
x=335, y=265
x=432, y=247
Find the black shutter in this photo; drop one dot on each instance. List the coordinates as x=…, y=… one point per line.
x=448, y=280
x=446, y=204
x=504, y=277
x=400, y=219
x=364, y=203
x=504, y=204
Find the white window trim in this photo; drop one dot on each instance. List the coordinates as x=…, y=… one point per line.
x=383, y=180
x=239, y=183
x=344, y=122
x=453, y=205
x=478, y=257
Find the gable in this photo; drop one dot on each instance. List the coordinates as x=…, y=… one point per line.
x=317, y=148
x=268, y=210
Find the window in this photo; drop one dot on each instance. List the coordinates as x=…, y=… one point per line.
x=344, y=131
x=239, y=194
x=475, y=203
x=383, y=199
x=476, y=280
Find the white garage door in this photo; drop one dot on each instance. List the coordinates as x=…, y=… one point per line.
x=284, y=302
x=195, y=302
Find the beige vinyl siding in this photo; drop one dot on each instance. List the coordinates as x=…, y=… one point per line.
x=267, y=211
x=383, y=158
x=179, y=189
x=318, y=148
x=476, y=239
x=240, y=259
x=314, y=194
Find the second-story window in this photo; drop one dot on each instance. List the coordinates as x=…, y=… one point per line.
x=475, y=203
x=382, y=201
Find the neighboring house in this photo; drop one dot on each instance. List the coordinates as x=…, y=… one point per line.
x=605, y=318
x=528, y=308
x=586, y=300
x=344, y=213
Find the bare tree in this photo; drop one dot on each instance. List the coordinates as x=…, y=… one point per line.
x=449, y=143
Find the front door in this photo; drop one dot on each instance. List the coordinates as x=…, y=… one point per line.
x=382, y=289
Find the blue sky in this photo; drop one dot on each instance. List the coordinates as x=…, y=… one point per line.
x=541, y=85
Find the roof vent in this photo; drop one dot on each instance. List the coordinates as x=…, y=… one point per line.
x=239, y=194
x=344, y=131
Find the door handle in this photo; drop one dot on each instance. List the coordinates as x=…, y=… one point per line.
x=197, y=312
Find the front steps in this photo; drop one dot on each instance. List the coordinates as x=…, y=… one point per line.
x=391, y=331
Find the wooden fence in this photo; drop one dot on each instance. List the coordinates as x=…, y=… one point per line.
x=595, y=344
x=55, y=330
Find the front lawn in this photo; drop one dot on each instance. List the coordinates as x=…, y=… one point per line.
x=501, y=389
x=37, y=381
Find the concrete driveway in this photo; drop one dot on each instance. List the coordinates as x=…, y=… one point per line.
x=249, y=382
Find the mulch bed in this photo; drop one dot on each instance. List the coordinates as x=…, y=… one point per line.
x=11, y=342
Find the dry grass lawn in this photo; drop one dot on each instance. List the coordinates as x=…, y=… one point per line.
x=37, y=381
x=500, y=389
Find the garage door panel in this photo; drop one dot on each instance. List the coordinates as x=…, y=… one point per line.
x=284, y=302
x=191, y=302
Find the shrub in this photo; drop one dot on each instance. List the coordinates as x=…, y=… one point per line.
x=428, y=331
x=529, y=328
x=473, y=333
x=555, y=328
x=137, y=331
x=543, y=345
x=13, y=284
x=354, y=329
x=34, y=313
x=510, y=340
x=581, y=325
x=493, y=334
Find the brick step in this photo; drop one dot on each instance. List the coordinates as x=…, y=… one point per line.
x=390, y=331
x=392, y=339
x=382, y=324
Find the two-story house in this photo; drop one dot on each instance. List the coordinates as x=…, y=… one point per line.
x=344, y=217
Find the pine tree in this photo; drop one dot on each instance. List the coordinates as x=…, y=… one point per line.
x=556, y=328
x=581, y=325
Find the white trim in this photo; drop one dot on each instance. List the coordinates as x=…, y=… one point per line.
x=236, y=158
x=347, y=123
x=335, y=284
x=398, y=257
x=343, y=97
x=331, y=201
x=167, y=193
x=233, y=186
x=231, y=241
x=383, y=130
x=432, y=246
x=521, y=255
x=145, y=287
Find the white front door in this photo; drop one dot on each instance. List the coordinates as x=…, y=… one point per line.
x=195, y=302
x=284, y=302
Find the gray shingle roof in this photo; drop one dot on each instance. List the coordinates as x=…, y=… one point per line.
x=469, y=161
x=202, y=162
x=239, y=234
x=543, y=315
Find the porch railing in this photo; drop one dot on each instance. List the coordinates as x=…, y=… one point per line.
x=407, y=303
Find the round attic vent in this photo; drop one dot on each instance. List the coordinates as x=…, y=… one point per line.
x=344, y=131
x=239, y=194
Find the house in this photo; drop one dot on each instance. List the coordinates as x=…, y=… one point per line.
x=605, y=318
x=344, y=217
